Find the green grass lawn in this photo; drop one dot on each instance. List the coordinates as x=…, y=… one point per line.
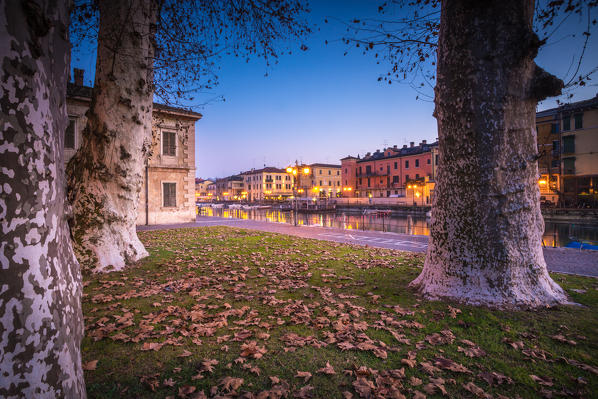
x=226, y=312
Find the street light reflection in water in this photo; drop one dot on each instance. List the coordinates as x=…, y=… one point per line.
x=555, y=234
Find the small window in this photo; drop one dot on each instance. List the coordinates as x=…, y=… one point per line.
x=169, y=194
x=169, y=143
x=555, y=163
x=69, y=135
x=417, y=163
x=406, y=177
x=578, y=121
x=395, y=179
x=566, y=123
x=329, y=172
x=569, y=166
x=429, y=161
x=569, y=144
x=554, y=128
x=406, y=164
x=396, y=165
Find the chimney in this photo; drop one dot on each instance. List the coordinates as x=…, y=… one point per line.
x=411, y=143
x=79, y=76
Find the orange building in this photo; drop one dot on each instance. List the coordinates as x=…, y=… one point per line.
x=388, y=173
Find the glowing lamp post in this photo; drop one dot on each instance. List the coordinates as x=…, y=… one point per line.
x=296, y=172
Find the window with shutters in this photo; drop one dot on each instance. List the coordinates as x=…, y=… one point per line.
x=554, y=128
x=169, y=194
x=569, y=144
x=169, y=144
x=69, y=135
x=566, y=123
x=578, y=121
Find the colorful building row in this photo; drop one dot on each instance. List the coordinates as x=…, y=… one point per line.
x=317, y=180
x=394, y=172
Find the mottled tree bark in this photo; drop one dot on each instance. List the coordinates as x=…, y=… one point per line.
x=106, y=174
x=485, y=244
x=41, y=324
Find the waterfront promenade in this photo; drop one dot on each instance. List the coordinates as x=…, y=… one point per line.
x=561, y=260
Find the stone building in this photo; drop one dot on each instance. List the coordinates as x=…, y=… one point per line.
x=168, y=192
x=390, y=172
x=568, y=151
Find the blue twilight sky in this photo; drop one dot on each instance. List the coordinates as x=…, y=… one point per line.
x=318, y=105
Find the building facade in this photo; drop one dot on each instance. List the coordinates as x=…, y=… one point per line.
x=268, y=183
x=229, y=188
x=325, y=180
x=201, y=189
x=568, y=154
x=168, y=191
x=391, y=172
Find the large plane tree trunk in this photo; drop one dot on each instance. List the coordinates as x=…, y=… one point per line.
x=485, y=244
x=106, y=174
x=41, y=324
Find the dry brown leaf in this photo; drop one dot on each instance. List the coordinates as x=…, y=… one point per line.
x=230, y=384
x=414, y=381
x=89, y=366
x=451, y=365
x=306, y=375
x=185, y=353
x=546, y=381
x=305, y=392
x=418, y=395
x=363, y=387
x=186, y=390
x=169, y=382
x=477, y=391
x=327, y=370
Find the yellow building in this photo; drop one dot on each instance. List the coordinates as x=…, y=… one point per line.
x=268, y=183
x=325, y=180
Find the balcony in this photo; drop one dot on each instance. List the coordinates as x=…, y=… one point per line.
x=372, y=174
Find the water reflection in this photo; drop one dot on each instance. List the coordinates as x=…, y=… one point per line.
x=555, y=235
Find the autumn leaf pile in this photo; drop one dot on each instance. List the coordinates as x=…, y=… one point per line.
x=223, y=313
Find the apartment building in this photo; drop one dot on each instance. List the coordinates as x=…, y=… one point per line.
x=168, y=191
x=201, y=189
x=229, y=188
x=268, y=183
x=325, y=180
x=568, y=154
x=391, y=172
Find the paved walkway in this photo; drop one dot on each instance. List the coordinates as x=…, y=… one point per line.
x=562, y=260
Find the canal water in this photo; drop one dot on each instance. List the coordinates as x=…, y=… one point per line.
x=555, y=235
